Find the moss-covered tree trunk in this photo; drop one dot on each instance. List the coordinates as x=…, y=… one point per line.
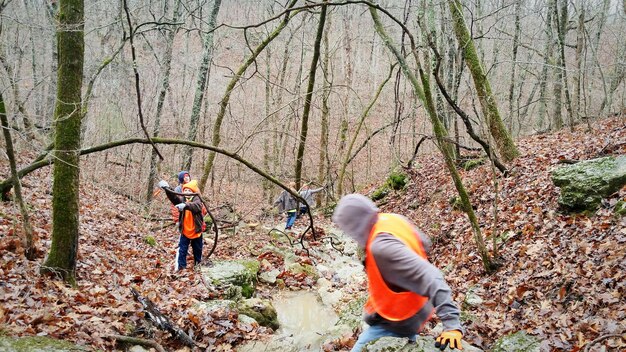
x=29, y=246
x=422, y=90
x=309, y=96
x=217, y=126
x=488, y=104
x=61, y=259
x=323, y=166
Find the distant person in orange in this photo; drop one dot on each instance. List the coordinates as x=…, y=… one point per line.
x=190, y=221
x=404, y=288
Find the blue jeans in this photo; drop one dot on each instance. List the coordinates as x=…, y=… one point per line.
x=375, y=332
x=183, y=247
x=291, y=218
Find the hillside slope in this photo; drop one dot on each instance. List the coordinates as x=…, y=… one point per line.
x=563, y=277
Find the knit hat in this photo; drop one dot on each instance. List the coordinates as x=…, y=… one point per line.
x=192, y=186
x=181, y=176
x=355, y=215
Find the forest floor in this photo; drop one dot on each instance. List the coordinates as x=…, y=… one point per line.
x=563, y=277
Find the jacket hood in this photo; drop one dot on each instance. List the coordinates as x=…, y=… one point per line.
x=355, y=215
x=192, y=186
x=181, y=176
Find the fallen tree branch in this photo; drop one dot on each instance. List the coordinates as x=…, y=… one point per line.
x=138, y=341
x=157, y=318
x=602, y=338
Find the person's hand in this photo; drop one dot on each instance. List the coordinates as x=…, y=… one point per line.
x=163, y=184
x=181, y=206
x=450, y=338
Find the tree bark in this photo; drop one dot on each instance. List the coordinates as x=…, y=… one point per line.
x=324, y=162
x=562, y=20
x=309, y=95
x=165, y=84
x=216, y=138
x=547, y=62
x=423, y=91
x=518, y=5
x=28, y=240
x=364, y=115
x=61, y=259
x=502, y=138
x=201, y=81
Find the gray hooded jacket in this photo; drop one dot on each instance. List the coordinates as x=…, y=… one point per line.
x=401, y=268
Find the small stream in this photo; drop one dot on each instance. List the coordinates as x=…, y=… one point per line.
x=303, y=322
x=302, y=315
x=308, y=318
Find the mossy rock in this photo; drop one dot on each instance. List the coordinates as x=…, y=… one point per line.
x=470, y=164
x=380, y=193
x=397, y=180
x=352, y=313
x=620, y=208
x=150, y=241
x=308, y=270
x=584, y=184
x=517, y=342
x=260, y=310
x=242, y=273
x=38, y=344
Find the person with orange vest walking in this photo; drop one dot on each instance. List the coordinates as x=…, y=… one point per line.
x=404, y=288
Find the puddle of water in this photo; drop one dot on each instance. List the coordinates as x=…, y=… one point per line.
x=304, y=318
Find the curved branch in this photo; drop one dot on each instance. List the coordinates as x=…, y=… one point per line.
x=6, y=185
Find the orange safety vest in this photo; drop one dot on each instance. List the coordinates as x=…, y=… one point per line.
x=391, y=305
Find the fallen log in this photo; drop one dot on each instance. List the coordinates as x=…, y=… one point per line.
x=159, y=320
x=138, y=341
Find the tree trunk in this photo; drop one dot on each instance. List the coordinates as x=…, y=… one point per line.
x=347, y=159
x=216, y=138
x=488, y=103
x=518, y=5
x=165, y=84
x=61, y=259
x=201, y=81
x=580, y=48
x=28, y=241
x=423, y=91
x=327, y=86
x=562, y=31
x=309, y=95
x=267, y=186
x=547, y=62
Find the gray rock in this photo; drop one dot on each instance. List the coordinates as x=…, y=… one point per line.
x=38, y=344
x=269, y=277
x=472, y=299
x=224, y=274
x=422, y=344
x=584, y=184
x=138, y=348
x=517, y=342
